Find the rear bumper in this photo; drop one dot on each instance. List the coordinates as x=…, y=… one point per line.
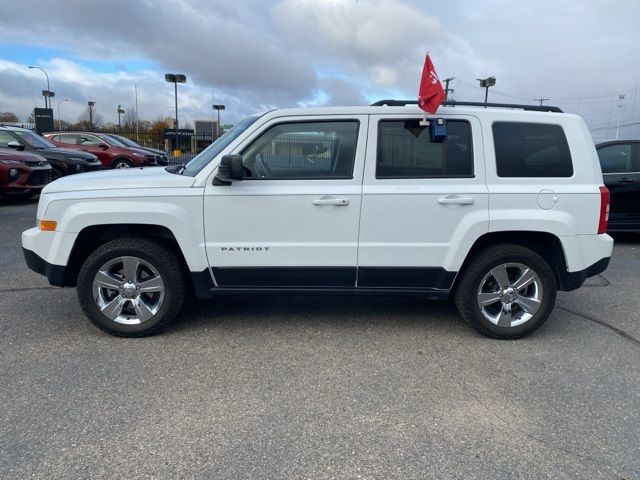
x=574, y=280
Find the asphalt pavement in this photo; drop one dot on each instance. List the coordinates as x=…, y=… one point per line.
x=317, y=387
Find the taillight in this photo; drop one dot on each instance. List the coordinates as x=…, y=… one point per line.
x=605, y=202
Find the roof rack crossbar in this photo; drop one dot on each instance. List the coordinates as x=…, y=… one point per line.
x=452, y=103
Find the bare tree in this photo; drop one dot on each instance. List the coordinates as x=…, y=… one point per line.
x=84, y=119
x=8, y=117
x=129, y=119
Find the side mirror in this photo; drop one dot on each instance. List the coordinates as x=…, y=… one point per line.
x=104, y=146
x=230, y=170
x=15, y=144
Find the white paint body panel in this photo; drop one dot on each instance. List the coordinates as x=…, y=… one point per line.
x=279, y=217
x=402, y=223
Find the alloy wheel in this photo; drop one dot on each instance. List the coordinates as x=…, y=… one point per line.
x=510, y=294
x=128, y=290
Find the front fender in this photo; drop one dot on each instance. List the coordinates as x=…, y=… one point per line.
x=180, y=213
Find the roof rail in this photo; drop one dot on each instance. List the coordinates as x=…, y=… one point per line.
x=453, y=103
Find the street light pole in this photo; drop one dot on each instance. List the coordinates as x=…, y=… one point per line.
x=620, y=107
x=175, y=78
x=486, y=83
x=446, y=87
x=59, y=117
x=46, y=104
x=218, y=108
x=120, y=112
x=91, y=104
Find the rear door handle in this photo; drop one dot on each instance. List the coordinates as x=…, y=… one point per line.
x=625, y=180
x=456, y=200
x=331, y=201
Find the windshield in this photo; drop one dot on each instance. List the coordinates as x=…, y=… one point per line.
x=33, y=140
x=209, y=153
x=113, y=141
x=124, y=140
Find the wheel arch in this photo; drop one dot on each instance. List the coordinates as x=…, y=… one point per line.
x=93, y=236
x=122, y=157
x=545, y=244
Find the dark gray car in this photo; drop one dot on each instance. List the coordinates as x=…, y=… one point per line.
x=620, y=162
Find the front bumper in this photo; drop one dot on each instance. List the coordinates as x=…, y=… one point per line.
x=28, y=183
x=85, y=167
x=56, y=274
x=49, y=254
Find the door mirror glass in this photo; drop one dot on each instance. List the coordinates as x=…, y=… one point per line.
x=15, y=144
x=230, y=170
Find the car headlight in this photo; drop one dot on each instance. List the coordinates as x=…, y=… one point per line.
x=14, y=173
x=138, y=154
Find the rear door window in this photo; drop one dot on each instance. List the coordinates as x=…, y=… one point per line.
x=69, y=139
x=616, y=158
x=405, y=150
x=531, y=150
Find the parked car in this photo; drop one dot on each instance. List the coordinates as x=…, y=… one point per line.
x=620, y=162
x=22, y=175
x=63, y=161
x=498, y=207
x=161, y=157
x=111, y=152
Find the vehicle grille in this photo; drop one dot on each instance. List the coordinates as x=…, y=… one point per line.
x=39, y=177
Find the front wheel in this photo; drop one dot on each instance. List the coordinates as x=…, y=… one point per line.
x=131, y=287
x=121, y=163
x=506, y=291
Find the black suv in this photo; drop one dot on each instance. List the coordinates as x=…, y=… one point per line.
x=620, y=162
x=63, y=162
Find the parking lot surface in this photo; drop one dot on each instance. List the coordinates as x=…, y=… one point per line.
x=317, y=387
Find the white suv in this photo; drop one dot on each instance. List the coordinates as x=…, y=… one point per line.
x=499, y=207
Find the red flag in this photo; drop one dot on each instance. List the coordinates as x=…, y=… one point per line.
x=431, y=93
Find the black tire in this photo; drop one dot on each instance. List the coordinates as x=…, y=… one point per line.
x=121, y=162
x=162, y=259
x=475, y=271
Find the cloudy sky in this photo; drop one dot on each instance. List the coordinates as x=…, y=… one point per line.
x=253, y=55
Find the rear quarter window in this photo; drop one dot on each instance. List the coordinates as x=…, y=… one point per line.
x=531, y=150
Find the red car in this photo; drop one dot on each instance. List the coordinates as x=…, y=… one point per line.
x=22, y=175
x=111, y=152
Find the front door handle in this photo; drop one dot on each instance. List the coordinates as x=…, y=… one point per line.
x=456, y=200
x=331, y=201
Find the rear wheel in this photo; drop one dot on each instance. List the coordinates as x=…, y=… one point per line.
x=131, y=287
x=506, y=291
